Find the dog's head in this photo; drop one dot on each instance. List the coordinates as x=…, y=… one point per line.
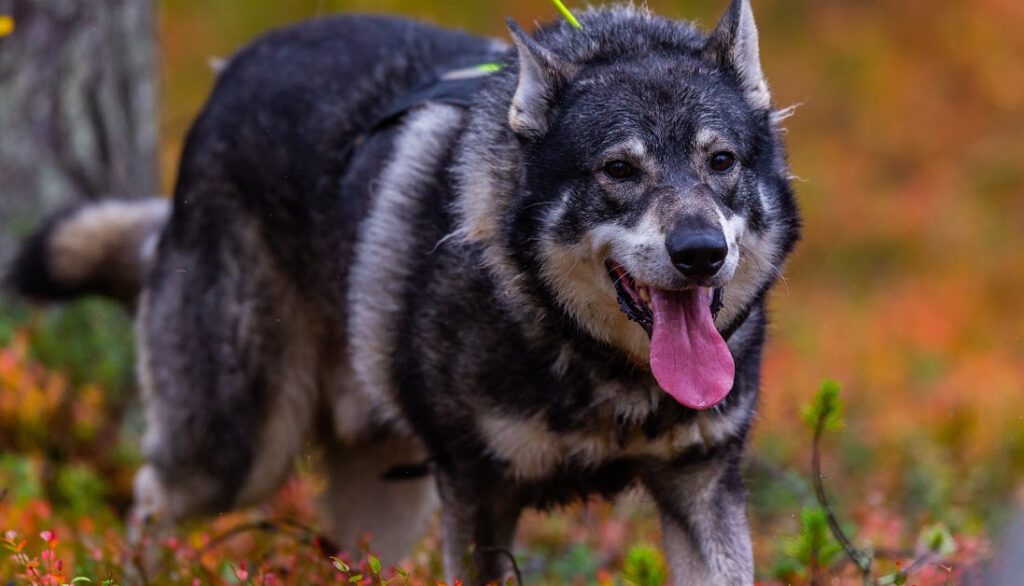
x=654, y=197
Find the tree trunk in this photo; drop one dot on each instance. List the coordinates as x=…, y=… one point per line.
x=78, y=116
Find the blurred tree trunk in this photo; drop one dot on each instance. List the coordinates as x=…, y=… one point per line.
x=78, y=98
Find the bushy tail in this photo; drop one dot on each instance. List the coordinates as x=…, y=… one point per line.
x=101, y=248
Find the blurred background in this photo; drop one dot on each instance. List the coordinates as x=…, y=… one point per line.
x=906, y=289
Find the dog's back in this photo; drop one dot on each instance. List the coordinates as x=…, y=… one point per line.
x=276, y=139
x=241, y=313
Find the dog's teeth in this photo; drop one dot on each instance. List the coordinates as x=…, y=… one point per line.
x=649, y=305
x=644, y=294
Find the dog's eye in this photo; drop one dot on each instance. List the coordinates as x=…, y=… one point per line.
x=722, y=161
x=619, y=169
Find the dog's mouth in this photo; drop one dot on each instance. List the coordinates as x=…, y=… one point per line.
x=635, y=298
x=689, y=358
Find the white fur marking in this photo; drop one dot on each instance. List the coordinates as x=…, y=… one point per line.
x=781, y=115
x=289, y=416
x=578, y=276
x=532, y=450
x=382, y=255
x=99, y=234
x=529, y=110
x=359, y=501
x=704, y=139
x=526, y=444
x=747, y=59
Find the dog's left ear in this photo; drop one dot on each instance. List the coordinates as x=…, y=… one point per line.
x=541, y=74
x=733, y=45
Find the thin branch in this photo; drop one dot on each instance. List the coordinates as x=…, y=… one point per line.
x=920, y=561
x=858, y=557
x=217, y=540
x=890, y=554
x=287, y=527
x=511, y=558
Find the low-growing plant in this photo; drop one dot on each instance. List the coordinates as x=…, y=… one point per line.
x=645, y=566
x=819, y=548
x=74, y=497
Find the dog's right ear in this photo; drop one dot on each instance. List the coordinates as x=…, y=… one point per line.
x=541, y=74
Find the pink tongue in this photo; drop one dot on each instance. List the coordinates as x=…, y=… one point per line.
x=689, y=358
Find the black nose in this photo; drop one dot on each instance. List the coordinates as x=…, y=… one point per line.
x=697, y=251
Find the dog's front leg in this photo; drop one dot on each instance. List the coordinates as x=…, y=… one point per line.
x=479, y=512
x=703, y=510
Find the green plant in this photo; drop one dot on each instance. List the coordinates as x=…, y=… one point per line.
x=814, y=547
x=89, y=341
x=644, y=566
x=818, y=547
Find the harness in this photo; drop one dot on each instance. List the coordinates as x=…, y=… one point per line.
x=455, y=87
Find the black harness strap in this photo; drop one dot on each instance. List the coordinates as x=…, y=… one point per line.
x=456, y=87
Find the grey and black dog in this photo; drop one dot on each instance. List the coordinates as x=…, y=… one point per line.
x=504, y=286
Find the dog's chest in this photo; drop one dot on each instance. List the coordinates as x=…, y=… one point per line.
x=533, y=449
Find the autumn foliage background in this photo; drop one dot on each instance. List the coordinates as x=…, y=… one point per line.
x=907, y=289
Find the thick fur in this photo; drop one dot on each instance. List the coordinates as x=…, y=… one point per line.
x=436, y=290
x=101, y=249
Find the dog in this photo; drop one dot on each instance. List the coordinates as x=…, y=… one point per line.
x=478, y=275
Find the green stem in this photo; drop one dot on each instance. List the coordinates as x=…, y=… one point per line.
x=858, y=557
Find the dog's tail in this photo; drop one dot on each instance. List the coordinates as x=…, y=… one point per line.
x=102, y=248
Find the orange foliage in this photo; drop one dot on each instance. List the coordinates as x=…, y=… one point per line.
x=907, y=287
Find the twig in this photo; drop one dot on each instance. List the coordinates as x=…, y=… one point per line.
x=880, y=554
x=920, y=561
x=511, y=558
x=858, y=557
x=267, y=526
x=928, y=558
x=287, y=527
x=323, y=543
x=901, y=554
